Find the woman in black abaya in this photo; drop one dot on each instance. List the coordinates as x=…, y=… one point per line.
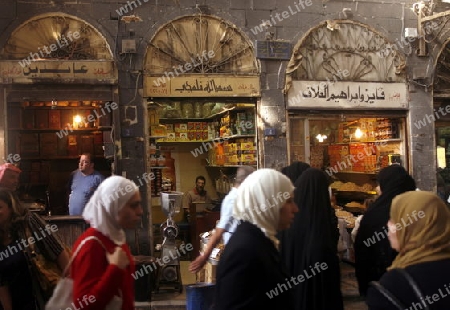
x=293, y=172
x=373, y=253
x=312, y=239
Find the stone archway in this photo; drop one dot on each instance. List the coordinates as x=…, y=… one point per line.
x=333, y=46
x=187, y=39
x=56, y=36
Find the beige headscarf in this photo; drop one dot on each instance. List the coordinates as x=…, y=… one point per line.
x=260, y=198
x=102, y=209
x=425, y=231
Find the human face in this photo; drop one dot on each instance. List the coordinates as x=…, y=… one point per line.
x=85, y=165
x=10, y=179
x=5, y=213
x=200, y=186
x=287, y=213
x=130, y=215
x=392, y=235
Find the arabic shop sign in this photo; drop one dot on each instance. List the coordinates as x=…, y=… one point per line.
x=323, y=94
x=202, y=86
x=100, y=71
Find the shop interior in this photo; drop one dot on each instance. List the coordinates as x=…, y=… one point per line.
x=442, y=135
x=195, y=136
x=48, y=138
x=351, y=149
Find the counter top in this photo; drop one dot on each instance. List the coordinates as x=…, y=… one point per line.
x=67, y=218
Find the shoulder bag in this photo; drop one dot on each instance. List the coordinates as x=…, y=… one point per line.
x=394, y=300
x=62, y=297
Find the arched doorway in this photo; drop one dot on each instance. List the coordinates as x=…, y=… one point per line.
x=55, y=68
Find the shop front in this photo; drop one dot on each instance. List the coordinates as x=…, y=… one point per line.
x=347, y=109
x=59, y=86
x=202, y=89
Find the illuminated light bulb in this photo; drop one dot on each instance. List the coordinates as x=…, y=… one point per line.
x=358, y=133
x=321, y=137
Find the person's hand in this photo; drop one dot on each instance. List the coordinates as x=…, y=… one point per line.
x=118, y=258
x=198, y=263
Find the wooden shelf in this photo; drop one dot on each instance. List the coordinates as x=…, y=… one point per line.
x=216, y=140
x=58, y=130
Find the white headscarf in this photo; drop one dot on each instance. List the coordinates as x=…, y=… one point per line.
x=102, y=209
x=260, y=198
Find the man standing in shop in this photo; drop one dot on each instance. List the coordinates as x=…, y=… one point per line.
x=197, y=194
x=83, y=183
x=227, y=224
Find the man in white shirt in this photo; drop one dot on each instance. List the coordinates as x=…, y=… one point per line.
x=227, y=224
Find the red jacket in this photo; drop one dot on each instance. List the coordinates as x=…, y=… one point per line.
x=95, y=279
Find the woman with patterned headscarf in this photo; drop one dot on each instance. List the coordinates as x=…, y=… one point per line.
x=419, y=230
x=373, y=254
x=250, y=274
x=103, y=268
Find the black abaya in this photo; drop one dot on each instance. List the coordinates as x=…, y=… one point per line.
x=373, y=253
x=311, y=240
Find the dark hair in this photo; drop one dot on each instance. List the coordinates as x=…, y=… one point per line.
x=91, y=159
x=19, y=211
x=200, y=177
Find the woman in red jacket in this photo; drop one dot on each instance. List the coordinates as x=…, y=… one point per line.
x=103, y=268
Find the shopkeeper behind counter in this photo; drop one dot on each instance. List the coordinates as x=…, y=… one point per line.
x=197, y=194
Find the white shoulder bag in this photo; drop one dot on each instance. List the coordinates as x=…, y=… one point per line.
x=62, y=297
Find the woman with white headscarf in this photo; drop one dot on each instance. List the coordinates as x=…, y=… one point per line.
x=250, y=274
x=103, y=268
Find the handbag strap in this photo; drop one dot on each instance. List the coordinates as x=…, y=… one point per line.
x=78, y=249
x=388, y=295
x=414, y=286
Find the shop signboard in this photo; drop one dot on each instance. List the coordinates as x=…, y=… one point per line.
x=58, y=71
x=340, y=94
x=201, y=86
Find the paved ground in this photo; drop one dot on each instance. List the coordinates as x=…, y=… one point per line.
x=177, y=301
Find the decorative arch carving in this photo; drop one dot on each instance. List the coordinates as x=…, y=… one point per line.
x=192, y=40
x=335, y=47
x=56, y=28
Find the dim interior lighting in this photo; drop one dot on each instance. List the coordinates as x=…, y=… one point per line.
x=321, y=137
x=358, y=133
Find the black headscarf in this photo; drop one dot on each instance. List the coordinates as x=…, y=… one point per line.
x=294, y=170
x=311, y=240
x=372, y=258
